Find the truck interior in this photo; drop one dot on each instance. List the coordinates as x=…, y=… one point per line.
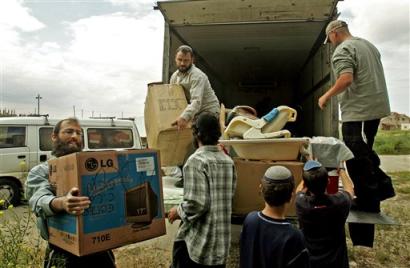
x=260, y=53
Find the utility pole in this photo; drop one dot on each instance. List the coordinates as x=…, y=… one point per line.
x=74, y=109
x=82, y=113
x=38, y=103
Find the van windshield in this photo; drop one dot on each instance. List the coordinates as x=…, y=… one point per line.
x=11, y=136
x=107, y=138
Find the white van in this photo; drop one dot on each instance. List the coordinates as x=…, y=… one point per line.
x=26, y=141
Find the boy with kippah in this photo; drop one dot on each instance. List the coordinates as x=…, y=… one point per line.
x=267, y=239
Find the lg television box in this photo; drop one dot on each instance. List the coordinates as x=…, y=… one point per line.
x=163, y=105
x=247, y=196
x=125, y=189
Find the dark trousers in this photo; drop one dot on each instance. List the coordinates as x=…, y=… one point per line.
x=59, y=258
x=181, y=259
x=371, y=184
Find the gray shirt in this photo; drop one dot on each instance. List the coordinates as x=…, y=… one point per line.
x=200, y=95
x=40, y=194
x=366, y=98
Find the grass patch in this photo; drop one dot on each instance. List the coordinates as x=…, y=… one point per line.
x=20, y=243
x=392, y=243
x=394, y=142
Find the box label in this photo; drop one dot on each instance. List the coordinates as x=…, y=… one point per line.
x=146, y=164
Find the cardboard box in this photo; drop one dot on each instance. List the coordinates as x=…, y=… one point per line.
x=163, y=105
x=125, y=189
x=247, y=196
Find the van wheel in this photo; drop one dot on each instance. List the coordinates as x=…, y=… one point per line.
x=9, y=192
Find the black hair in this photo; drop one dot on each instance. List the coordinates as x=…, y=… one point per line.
x=277, y=193
x=185, y=50
x=316, y=180
x=206, y=129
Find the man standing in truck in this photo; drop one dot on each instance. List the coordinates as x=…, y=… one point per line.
x=67, y=139
x=200, y=95
x=362, y=93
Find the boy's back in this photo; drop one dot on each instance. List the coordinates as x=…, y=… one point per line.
x=322, y=221
x=268, y=242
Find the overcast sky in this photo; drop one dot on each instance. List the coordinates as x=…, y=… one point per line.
x=99, y=55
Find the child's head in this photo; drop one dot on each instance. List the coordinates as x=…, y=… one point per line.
x=277, y=186
x=315, y=177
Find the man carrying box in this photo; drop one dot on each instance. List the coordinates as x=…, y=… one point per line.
x=44, y=203
x=322, y=216
x=198, y=90
x=200, y=95
x=204, y=237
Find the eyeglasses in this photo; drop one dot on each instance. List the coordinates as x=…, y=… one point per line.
x=71, y=131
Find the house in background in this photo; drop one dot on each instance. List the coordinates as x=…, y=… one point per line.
x=395, y=121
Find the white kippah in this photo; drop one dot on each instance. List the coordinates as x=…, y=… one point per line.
x=277, y=173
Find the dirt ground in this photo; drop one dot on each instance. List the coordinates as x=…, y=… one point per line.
x=391, y=248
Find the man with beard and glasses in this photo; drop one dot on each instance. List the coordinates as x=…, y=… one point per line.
x=67, y=139
x=200, y=95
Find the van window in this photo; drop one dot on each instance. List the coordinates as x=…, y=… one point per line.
x=103, y=138
x=46, y=144
x=12, y=137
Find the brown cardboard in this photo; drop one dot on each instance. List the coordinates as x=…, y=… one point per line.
x=247, y=196
x=163, y=105
x=125, y=189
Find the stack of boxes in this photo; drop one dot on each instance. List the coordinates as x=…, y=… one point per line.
x=254, y=157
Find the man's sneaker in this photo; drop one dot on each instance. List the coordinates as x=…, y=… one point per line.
x=179, y=183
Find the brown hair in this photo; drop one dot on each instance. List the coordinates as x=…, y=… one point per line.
x=71, y=120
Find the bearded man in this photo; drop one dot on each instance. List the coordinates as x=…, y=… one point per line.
x=67, y=139
x=201, y=97
x=198, y=91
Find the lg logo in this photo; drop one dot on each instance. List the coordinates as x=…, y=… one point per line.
x=91, y=164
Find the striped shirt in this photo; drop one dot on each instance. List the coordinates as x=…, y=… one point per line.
x=209, y=185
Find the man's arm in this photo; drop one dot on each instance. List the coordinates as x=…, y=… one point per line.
x=197, y=89
x=300, y=187
x=196, y=195
x=344, y=80
x=346, y=182
x=42, y=199
x=71, y=203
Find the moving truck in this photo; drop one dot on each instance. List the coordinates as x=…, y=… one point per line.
x=261, y=53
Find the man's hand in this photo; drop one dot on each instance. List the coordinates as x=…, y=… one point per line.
x=71, y=203
x=322, y=101
x=173, y=215
x=341, y=84
x=180, y=123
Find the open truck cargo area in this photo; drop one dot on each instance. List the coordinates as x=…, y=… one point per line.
x=261, y=53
